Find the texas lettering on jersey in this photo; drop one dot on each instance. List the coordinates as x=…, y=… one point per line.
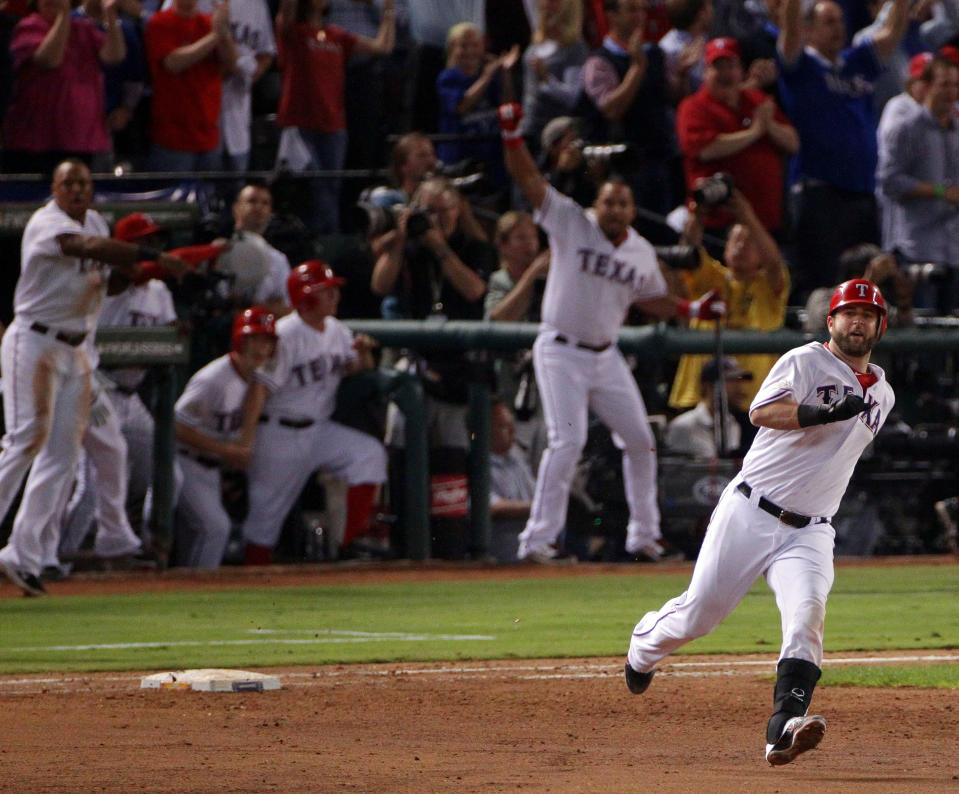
x=227, y=421
x=606, y=266
x=870, y=417
x=317, y=369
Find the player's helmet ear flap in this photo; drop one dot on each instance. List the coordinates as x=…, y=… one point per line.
x=860, y=291
x=255, y=320
x=307, y=278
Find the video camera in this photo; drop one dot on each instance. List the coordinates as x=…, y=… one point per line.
x=678, y=257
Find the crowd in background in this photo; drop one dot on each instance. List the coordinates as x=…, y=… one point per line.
x=785, y=146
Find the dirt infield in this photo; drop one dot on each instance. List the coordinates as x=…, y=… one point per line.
x=521, y=725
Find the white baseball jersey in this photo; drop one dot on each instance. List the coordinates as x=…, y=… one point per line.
x=591, y=282
x=143, y=305
x=273, y=286
x=61, y=292
x=306, y=370
x=807, y=470
x=212, y=401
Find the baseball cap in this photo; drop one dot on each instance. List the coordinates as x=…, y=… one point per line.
x=557, y=128
x=951, y=52
x=730, y=370
x=134, y=227
x=725, y=47
x=917, y=64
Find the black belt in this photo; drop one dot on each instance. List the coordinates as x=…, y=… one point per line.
x=796, y=520
x=203, y=460
x=72, y=338
x=582, y=345
x=296, y=424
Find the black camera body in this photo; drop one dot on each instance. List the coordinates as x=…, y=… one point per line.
x=372, y=220
x=678, y=257
x=714, y=190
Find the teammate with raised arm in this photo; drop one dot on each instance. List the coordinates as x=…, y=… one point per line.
x=817, y=410
x=65, y=261
x=600, y=266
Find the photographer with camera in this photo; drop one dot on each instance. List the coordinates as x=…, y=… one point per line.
x=753, y=282
x=730, y=128
x=433, y=270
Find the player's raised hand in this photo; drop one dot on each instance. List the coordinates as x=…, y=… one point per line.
x=847, y=407
x=509, y=114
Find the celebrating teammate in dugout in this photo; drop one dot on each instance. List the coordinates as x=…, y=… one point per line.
x=600, y=266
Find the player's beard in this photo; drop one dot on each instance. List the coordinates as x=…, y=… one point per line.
x=854, y=346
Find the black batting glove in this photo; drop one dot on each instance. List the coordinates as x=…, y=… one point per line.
x=846, y=408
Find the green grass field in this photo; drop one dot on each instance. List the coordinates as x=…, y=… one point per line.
x=882, y=608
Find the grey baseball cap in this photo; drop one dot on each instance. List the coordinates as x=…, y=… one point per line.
x=557, y=128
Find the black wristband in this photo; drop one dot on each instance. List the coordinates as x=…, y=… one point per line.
x=810, y=415
x=146, y=253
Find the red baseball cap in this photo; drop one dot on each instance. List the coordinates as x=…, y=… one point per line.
x=918, y=63
x=951, y=52
x=135, y=227
x=725, y=47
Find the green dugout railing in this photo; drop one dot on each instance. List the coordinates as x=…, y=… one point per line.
x=163, y=350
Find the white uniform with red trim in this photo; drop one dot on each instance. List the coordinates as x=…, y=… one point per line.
x=46, y=378
x=590, y=287
x=212, y=403
x=118, y=444
x=296, y=435
x=803, y=471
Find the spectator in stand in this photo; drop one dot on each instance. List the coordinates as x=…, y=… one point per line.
x=625, y=83
x=189, y=53
x=123, y=82
x=918, y=175
x=438, y=274
x=902, y=104
x=58, y=105
x=827, y=92
x=757, y=41
x=870, y=262
x=252, y=31
x=364, y=98
x=512, y=484
x=430, y=22
x=753, y=282
x=515, y=294
x=727, y=127
x=684, y=44
x=695, y=432
x=252, y=211
x=312, y=58
x=931, y=25
x=470, y=89
x=553, y=65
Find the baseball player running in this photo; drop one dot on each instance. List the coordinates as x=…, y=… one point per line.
x=817, y=410
x=65, y=260
x=291, y=399
x=208, y=416
x=599, y=267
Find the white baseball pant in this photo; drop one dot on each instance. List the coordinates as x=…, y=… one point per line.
x=741, y=544
x=46, y=397
x=285, y=457
x=571, y=381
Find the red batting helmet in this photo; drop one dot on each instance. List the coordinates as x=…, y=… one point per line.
x=307, y=278
x=860, y=291
x=255, y=320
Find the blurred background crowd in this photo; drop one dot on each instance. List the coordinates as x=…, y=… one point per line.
x=774, y=147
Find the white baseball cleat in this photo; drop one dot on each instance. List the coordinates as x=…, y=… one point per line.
x=799, y=734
